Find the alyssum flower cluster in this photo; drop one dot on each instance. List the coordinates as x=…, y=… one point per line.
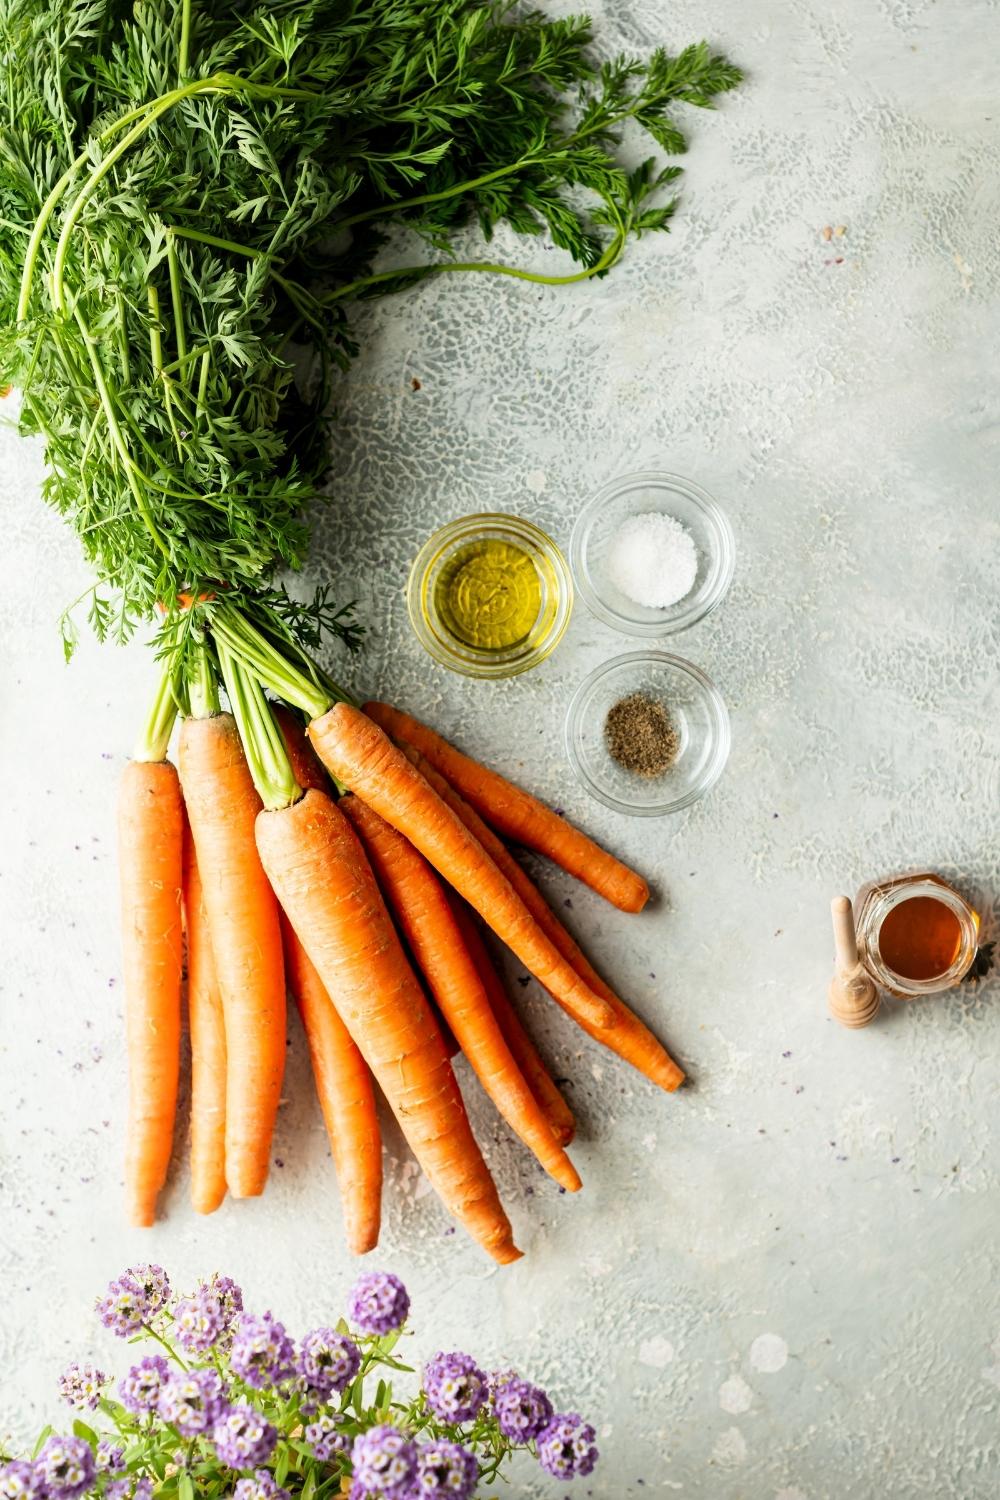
x=230, y=1406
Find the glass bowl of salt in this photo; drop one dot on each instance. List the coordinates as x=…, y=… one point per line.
x=652, y=554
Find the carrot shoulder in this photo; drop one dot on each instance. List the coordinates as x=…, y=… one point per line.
x=517, y=814
x=327, y=889
x=428, y=924
x=222, y=805
x=630, y=1038
x=346, y=1097
x=364, y=758
x=525, y=1053
x=208, y=1047
x=150, y=852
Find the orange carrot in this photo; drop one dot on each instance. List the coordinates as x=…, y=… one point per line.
x=425, y=916
x=533, y=1069
x=346, y=1097
x=364, y=758
x=518, y=815
x=324, y=883
x=630, y=1038
x=150, y=845
x=222, y=805
x=208, y=1047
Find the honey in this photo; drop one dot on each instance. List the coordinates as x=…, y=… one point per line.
x=916, y=934
x=920, y=938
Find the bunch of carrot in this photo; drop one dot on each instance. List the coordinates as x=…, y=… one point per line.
x=351, y=856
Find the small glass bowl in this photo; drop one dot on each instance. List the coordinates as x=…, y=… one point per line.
x=633, y=495
x=696, y=711
x=555, y=607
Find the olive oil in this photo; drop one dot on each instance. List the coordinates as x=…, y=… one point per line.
x=488, y=594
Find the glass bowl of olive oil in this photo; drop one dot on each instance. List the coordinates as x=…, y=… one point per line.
x=489, y=595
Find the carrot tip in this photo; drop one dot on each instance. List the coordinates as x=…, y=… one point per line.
x=207, y=1203
x=361, y=1244
x=251, y=1188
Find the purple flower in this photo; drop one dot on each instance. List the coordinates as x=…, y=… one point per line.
x=204, y=1319
x=139, y=1390
x=310, y=1399
x=328, y=1360
x=66, y=1467
x=134, y=1299
x=566, y=1446
x=80, y=1386
x=326, y=1437
x=110, y=1459
x=229, y=1294
x=129, y=1489
x=378, y=1303
x=263, y=1354
x=192, y=1401
x=522, y=1410
x=455, y=1387
x=20, y=1481
x=243, y=1438
x=384, y=1462
x=445, y=1468
x=260, y=1487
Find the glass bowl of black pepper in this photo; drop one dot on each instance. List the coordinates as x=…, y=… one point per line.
x=647, y=733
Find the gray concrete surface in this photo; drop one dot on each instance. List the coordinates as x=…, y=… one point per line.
x=780, y=1284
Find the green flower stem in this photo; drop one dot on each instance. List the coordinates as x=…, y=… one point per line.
x=155, y=736
x=164, y=1344
x=265, y=749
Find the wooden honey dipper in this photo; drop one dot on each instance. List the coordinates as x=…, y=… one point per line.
x=853, y=998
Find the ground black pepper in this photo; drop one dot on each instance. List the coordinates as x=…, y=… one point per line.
x=640, y=736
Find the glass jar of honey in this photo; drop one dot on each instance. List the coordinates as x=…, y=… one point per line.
x=916, y=934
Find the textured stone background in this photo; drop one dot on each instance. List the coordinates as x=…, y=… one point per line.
x=781, y=1284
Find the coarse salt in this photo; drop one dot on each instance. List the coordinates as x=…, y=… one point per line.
x=653, y=560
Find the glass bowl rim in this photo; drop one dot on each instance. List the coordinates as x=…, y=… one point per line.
x=724, y=551
x=720, y=719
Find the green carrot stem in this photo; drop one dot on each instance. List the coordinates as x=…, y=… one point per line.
x=184, y=46
x=147, y=115
x=156, y=357
x=269, y=666
x=117, y=438
x=176, y=297
x=265, y=749
x=422, y=199
x=607, y=260
x=203, y=689
x=155, y=734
